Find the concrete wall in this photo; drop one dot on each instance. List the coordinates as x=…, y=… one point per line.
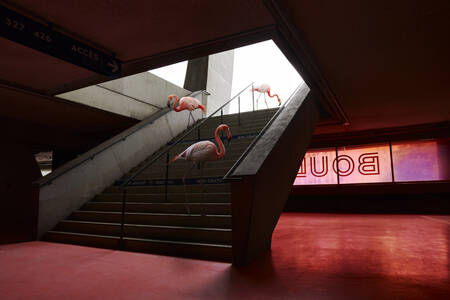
x=266, y=176
x=82, y=179
x=220, y=78
x=143, y=95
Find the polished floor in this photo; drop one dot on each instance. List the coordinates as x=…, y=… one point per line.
x=314, y=256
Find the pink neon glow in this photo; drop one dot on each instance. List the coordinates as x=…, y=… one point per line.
x=316, y=168
x=412, y=161
x=421, y=160
x=364, y=164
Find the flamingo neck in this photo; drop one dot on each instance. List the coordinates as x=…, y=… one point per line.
x=175, y=108
x=274, y=95
x=221, y=151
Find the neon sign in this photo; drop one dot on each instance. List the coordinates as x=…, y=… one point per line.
x=412, y=161
x=351, y=165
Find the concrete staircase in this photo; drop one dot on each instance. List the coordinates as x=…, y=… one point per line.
x=156, y=225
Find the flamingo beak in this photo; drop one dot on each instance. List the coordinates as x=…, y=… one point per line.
x=229, y=137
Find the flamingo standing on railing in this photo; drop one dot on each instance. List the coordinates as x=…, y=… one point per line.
x=203, y=151
x=262, y=89
x=189, y=103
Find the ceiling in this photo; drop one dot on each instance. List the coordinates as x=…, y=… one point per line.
x=387, y=62
x=379, y=64
x=132, y=30
x=47, y=123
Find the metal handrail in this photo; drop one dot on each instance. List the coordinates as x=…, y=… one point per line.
x=108, y=144
x=256, y=139
x=123, y=187
x=128, y=96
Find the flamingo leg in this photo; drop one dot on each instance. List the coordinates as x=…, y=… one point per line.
x=184, y=185
x=265, y=100
x=202, y=165
x=257, y=101
x=189, y=119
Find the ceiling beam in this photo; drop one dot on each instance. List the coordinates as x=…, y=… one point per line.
x=290, y=41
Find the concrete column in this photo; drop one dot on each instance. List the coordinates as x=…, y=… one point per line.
x=213, y=74
x=220, y=79
x=196, y=74
x=18, y=199
x=266, y=176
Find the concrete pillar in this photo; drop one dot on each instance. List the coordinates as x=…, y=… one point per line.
x=220, y=79
x=18, y=199
x=264, y=178
x=196, y=74
x=213, y=74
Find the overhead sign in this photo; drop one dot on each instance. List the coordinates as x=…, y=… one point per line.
x=28, y=32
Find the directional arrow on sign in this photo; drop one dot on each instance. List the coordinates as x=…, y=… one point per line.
x=114, y=66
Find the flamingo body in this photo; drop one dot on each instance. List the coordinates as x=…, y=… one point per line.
x=262, y=88
x=205, y=150
x=265, y=88
x=186, y=103
x=201, y=151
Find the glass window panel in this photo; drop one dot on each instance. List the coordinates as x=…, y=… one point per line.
x=421, y=160
x=364, y=164
x=316, y=168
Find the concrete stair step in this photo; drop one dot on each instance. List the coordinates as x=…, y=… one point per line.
x=260, y=113
x=171, y=198
x=207, y=133
x=172, y=233
x=217, y=252
x=180, y=172
x=82, y=239
x=195, y=220
x=179, y=233
x=174, y=208
x=159, y=189
x=207, y=251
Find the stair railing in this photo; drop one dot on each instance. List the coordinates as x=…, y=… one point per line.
x=166, y=151
x=229, y=174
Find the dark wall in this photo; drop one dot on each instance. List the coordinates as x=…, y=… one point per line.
x=18, y=199
x=399, y=198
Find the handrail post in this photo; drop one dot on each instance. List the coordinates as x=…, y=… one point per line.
x=221, y=122
x=122, y=221
x=167, y=176
x=239, y=110
x=253, y=98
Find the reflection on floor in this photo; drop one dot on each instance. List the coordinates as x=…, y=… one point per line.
x=314, y=256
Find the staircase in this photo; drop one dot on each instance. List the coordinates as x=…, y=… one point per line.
x=154, y=224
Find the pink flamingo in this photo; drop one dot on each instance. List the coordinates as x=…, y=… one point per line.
x=188, y=103
x=265, y=88
x=203, y=151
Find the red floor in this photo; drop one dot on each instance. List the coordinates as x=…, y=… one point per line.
x=314, y=256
